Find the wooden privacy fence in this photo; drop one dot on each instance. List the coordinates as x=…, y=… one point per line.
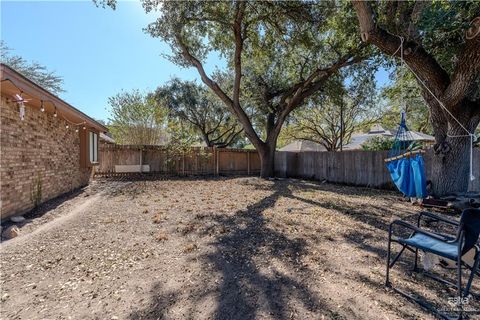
x=126, y=159
x=362, y=168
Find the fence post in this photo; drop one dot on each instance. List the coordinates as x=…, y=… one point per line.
x=217, y=165
x=248, y=162
x=214, y=160
x=141, y=160
x=183, y=162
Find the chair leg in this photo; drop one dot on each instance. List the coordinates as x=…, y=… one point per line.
x=387, y=277
x=472, y=274
x=415, y=266
x=395, y=259
x=459, y=285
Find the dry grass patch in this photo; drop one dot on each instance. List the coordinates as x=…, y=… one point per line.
x=190, y=247
x=158, y=218
x=161, y=236
x=220, y=248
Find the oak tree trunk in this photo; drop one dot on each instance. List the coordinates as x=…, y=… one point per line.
x=451, y=160
x=267, y=159
x=451, y=171
x=453, y=112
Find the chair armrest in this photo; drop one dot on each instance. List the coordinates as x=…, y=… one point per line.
x=435, y=218
x=416, y=229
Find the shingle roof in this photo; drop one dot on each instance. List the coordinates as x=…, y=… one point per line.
x=303, y=145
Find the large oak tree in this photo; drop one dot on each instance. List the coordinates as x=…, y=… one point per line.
x=278, y=53
x=442, y=46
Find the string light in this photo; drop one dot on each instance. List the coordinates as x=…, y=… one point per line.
x=19, y=99
x=21, y=105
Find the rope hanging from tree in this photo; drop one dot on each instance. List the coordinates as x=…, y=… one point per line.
x=405, y=162
x=468, y=133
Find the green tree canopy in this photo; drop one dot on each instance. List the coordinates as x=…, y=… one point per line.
x=404, y=95
x=278, y=55
x=137, y=119
x=344, y=106
x=193, y=104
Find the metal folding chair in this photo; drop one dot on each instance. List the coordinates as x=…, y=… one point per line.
x=443, y=245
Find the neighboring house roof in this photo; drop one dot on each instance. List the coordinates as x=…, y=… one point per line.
x=358, y=139
x=418, y=136
x=378, y=129
x=303, y=145
x=425, y=137
x=106, y=138
x=15, y=83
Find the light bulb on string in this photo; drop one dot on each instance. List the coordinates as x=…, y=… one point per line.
x=42, y=107
x=76, y=129
x=66, y=126
x=55, y=113
x=84, y=128
x=21, y=105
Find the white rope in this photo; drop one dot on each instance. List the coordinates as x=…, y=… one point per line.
x=469, y=134
x=472, y=137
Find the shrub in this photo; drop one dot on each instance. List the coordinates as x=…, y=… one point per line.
x=378, y=143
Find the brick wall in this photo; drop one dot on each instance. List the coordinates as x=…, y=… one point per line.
x=38, y=151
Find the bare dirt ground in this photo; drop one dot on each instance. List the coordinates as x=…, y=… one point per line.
x=238, y=248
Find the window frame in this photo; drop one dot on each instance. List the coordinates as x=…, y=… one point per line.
x=92, y=147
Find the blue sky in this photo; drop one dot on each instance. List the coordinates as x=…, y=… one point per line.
x=97, y=51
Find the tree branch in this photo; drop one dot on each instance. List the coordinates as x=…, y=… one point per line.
x=466, y=71
x=234, y=107
x=424, y=65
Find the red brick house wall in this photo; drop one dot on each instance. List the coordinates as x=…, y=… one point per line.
x=38, y=151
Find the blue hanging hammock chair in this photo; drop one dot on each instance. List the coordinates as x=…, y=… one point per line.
x=405, y=163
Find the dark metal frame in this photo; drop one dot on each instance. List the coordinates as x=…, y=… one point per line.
x=458, y=238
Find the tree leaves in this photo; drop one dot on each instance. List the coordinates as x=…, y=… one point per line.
x=195, y=106
x=346, y=104
x=137, y=119
x=34, y=71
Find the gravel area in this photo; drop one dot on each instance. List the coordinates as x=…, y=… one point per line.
x=226, y=248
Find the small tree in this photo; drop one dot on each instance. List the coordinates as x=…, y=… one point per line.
x=32, y=70
x=137, y=119
x=195, y=106
x=333, y=115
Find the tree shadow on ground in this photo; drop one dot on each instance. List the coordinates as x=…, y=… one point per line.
x=236, y=256
x=254, y=269
x=246, y=257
